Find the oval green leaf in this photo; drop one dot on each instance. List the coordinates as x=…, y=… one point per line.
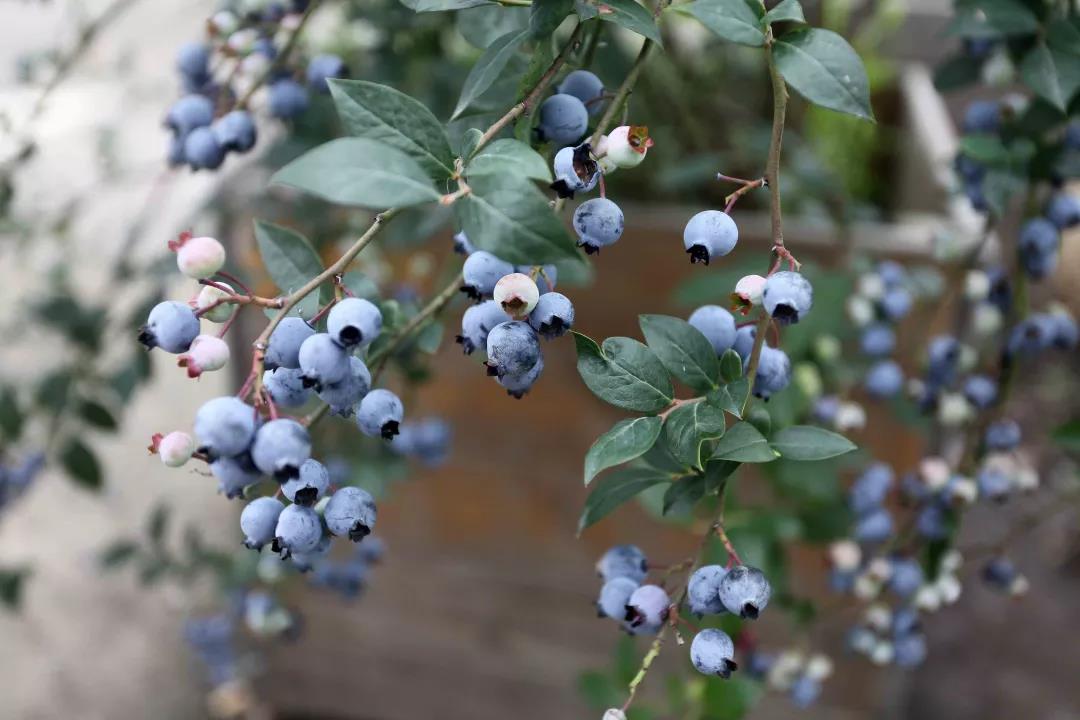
x=615, y=490
x=806, y=442
x=743, y=443
x=489, y=67
x=732, y=20
x=624, y=372
x=685, y=352
x=688, y=427
x=627, y=440
x=825, y=70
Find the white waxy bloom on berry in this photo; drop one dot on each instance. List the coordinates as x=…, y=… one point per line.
x=206, y=354
x=517, y=294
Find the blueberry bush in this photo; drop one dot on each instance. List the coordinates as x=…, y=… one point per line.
x=770, y=373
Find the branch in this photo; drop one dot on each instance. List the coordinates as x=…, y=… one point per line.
x=772, y=168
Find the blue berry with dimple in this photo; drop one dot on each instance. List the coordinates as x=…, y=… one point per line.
x=877, y=340
x=744, y=341
x=202, y=150
x=309, y=485
x=623, y=561
x=993, y=484
x=787, y=297
x=517, y=386
x=1066, y=335
x=513, y=349
x=171, y=326
x=553, y=315
x=563, y=120
x=1000, y=573
x=647, y=609
x=190, y=112
x=614, y=596
x=235, y=131
x=298, y=530
x=745, y=591
x=713, y=652
x=717, y=325
x=982, y=116
x=710, y=234
x=234, y=474
x=869, y=490
x=703, y=590
x=598, y=223
x=895, y=303
x=354, y=322
x=943, y=355
x=481, y=272
x=873, y=527
x=773, y=373
x=379, y=414
x=351, y=513
x=288, y=99
x=909, y=650
x=575, y=171
x=477, y=321
x=931, y=522
x=907, y=576
x=1038, y=246
x=322, y=68
x=1031, y=336
x=281, y=446
x=225, y=426
x=1002, y=435
x=980, y=391
x=193, y=61
x=283, y=349
x=323, y=361
x=805, y=691
x=258, y=521
x=586, y=87
x=1063, y=210
x=286, y=387
x=343, y=396
x=884, y=379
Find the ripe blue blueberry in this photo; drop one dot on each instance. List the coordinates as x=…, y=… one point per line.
x=563, y=120
x=744, y=341
x=773, y=373
x=190, y=112
x=234, y=474
x=1066, y=335
x=909, y=650
x=513, y=348
x=193, y=61
x=1031, y=336
x=309, y=486
x=286, y=387
x=906, y=577
x=427, y=440
x=993, y=483
x=874, y=527
x=712, y=653
x=598, y=223
x=298, y=530
x=343, y=396
x=1002, y=435
x=323, y=361
x=891, y=273
x=805, y=691
x=202, y=150
x=709, y=234
x=481, y=272
x=1000, y=573
x=235, y=131
x=931, y=522
x=586, y=87
x=943, y=355
x=825, y=409
x=258, y=521
x=323, y=67
x=281, y=446
x=379, y=414
x=980, y=391
x=703, y=590
x=745, y=591
x=877, y=340
x=462, y=246
x=288, y=99
x=895, y=304
x=283, y=350
x=354, y=322
x=171, y=326
x=351, y=513
x=1063, y=210
x=176, y=156
x=575, y=171
x=1038, y=246
x=982, y=116
x=518, y=386
x=788, y=296
x=717, y=325
x=614, y=596
x=225, y=426
x=884, y=379
x=647, y=609
x=623, y=561
x=477, y=322
x=553, y=315
x=869, y=490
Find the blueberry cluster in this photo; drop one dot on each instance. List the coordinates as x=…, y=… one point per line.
x=882, y=299
x=349, y=577
x=563, y=118
x=220, y=74
x=515, y=307
x=213, y=639
x=792, y=671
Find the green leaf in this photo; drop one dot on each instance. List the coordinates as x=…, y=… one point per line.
x=825, y=70
x=469, y=141
x=689, y=426
x=685, y=352
x=730, y=366
x=760, y=418
x=616, y=489
x=118, y=553
x=547, y=15
x=443, y=5
x=361, y=173
x=627, y=440
x=730, y=397
x=1068, y=435
x=732, y=20
x=629, y=14
x=730, y=700
x=290, y=261
x=97, y=415
x=743, y=443
x=717, y=472
x=1054, y=75
x=992, y=19
x=785, y=11
x=489, y=67
x=81, y=464
x=360, y=285
x=12, y=584
x=508, y=216
x=11, y=415
x=509, y=156
x=381, y=113
x=957, y=72
x=683, y=495
x=806, y=442
x=158, y=524
x=624, y=373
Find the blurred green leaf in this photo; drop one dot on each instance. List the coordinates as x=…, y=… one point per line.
x=547, y=15
x=957, y=72
x=12, y=585
x=158, y=524
x=1068, y=435
x=98, y=415
x=118, y=553
x=11, y=415
x=992, y=19
x=785, y=11
x=443, y=5
x=81, y=464
x=625, y=441
x=684, y=494
x=616, y=489
x=1053, y=75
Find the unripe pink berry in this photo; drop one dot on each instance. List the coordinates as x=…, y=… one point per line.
x=207, y=353
x=174, y=449
x=625, y=146
x=748, y=292
x=210, y=295
x=198, y=257
x=517, y=293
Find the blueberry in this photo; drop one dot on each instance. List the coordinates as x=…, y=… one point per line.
x=891, y=273
x=1066, y=335
x=773, y=373
x=286, y=387
x=1031, y=336
x=323, y=67
x=909, y=650
x=710, y=234
x=884, y=379
x=712, y=653
x=306, y=561
x=982, y=116
x=980, y=391
x=647, y=609
x=234, y=474
x=877, y=340
x=193, y=60
x=354, y=322
x=759, y=664
x=906, y=577
x=586, y=87
x=202, y=150
x=1063, y=210
x=235, y=131
x=323, y=361
x=825, y=409
x=190, y=112
x=513, y=349
x=350, y=513
x=905, y=621
x=623, y=561
x=309, y=486
x=575, y=171
x=788, y=296
x=379, y=414
x=805, y=691
x=943, y=355
x=288, y=99
x=428, y=440
x=171, y=326
x=517, y=386
x=225, y=426
x=553, y=315
x=1038, y=246
x=744, y=341
x=931, y=522
x=258, y=521
x=874, y=527
x=703, y=590
x=895, y=303
x=462, y=246
x=1003, y=435
x=598, y=223
x=283, y=350
x=481, y=272
x=841, y=581
x=477, y=322
x=1000, y=573
x=563, y=120
x=993, y=484
x=745, y=591
x=869, y=490
x=614, y=596
x=717, y=325
x=298, y=530
x=281, y=446
x=343, y=396
x=978, y=48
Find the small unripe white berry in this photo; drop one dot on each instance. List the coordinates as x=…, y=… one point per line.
x=878, y=617
x=614, y=714
x=934, y=472
x=850, y=416
x=860, y=310
x=198, y=257
x=870, y=286
x=948, y=587
x=625, y=146
x=175, y=449
x=207, y=353
x=845, y=555
x=986, y=320
x=954, y=410
x=827, y=347
x=517, y=294
x=819, y=667
x=882, y=654
x=976, y=285
x=951, y=561
x=208, y=296
x=748, y=291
